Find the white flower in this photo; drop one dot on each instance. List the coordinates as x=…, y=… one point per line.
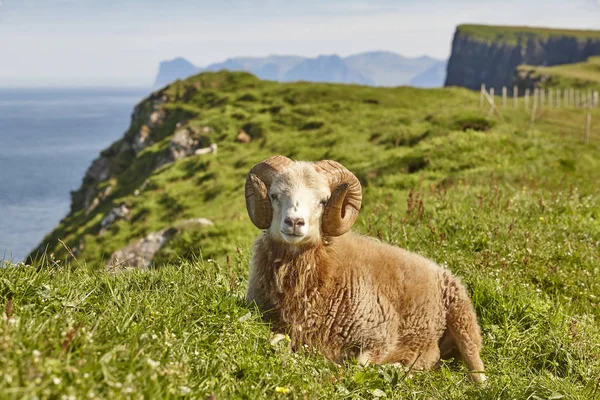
x=184, y=390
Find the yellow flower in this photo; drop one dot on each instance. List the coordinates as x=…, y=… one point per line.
x=283, y=390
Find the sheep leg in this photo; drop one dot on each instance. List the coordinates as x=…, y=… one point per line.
x=463, y=329
x=411, y=357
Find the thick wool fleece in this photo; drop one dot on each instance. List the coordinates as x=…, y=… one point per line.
x=353, y=296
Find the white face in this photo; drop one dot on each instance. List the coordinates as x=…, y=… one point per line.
x=298, y=198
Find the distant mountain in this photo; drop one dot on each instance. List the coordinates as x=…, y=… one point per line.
x=331, y=69
x=171, y=70
x=377, y=68
x=390, y=69
x=270, y=68
x=432, y=77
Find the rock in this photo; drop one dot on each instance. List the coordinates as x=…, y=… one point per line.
x=116, y=213
x=107, y=192
x=140, y=253
x=92, y=206
x=207, y=150
x=195, y=221
x=243, y=137
x=183, y=144
x=156, y=117
x=141, y=140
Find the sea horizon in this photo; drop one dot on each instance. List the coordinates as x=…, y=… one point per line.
x=49, y=137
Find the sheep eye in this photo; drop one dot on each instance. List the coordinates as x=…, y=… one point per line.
x=273, y=196
x=324, y=202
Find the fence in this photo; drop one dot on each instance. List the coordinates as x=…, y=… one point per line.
x=545, y=98
x=541, y=98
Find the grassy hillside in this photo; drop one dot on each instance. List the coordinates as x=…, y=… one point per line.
x=513, y=211
x=513, y=34
x=579, y=75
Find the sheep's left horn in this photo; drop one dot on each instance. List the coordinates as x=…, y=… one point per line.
x=258, y=182
x=343, y=206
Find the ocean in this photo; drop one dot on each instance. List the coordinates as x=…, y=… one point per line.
x=48, y=138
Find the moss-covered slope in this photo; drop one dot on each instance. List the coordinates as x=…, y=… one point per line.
x=393, y=139
x=519, y=34
x=584, y=75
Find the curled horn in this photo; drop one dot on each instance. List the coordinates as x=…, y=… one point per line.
x=258, y=181
x=346, y=196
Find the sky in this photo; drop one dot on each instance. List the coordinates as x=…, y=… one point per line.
x=121, y=42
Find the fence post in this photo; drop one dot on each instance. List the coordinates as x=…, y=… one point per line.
x=504, y=96
x=542, y=98
x=558, y=98
x=577, y=99
x=481, y=97
x=492, y=95
x=595, y=99
x=515, y=97
x=550, y=98
x=588, y=126
x=533, y=110
x=572, y=97
x=527, y=99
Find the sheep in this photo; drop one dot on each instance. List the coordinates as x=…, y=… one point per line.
x=347, y=295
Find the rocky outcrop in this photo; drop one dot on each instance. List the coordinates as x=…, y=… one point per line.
x=243, y=137
x=140, y=254
x=146, y=116
x=476, y=60
x=113, y=215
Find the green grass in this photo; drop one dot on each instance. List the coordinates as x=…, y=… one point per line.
x=579, y=75
x=513, y=211
x=514, y=35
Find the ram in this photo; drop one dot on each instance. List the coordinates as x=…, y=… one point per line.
x=344, y=294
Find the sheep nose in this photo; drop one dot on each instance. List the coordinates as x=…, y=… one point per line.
x=294, y=222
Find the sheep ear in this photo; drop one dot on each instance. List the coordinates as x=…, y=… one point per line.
x=257, y=202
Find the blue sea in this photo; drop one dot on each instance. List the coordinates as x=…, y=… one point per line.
x=48, y=138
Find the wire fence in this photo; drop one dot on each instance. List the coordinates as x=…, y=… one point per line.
x=539, y=101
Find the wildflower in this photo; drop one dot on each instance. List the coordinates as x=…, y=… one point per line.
x=284, y=390
x=153, y=364
x=184, y=390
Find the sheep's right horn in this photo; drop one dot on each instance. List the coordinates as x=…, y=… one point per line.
x=343, y=206
x=258, y=181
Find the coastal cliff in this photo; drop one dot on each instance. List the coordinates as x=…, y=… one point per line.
x=163, y=191
x=491, y=54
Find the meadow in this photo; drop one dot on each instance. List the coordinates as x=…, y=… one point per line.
x=513, y=35
x=584, y=75
x=513, y=210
